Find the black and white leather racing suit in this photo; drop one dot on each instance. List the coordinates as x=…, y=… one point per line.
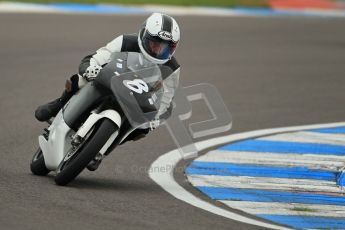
x=123, y=43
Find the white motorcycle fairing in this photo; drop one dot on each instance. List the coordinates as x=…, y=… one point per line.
x=58, y=143
x=60, y=136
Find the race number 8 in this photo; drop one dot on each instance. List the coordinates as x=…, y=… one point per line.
x=137, y=85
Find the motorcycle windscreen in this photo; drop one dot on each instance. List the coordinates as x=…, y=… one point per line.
x=140, y=93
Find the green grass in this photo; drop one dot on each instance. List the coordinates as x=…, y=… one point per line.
x=215, y=3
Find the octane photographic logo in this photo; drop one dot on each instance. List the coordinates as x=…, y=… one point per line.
x=183, y=136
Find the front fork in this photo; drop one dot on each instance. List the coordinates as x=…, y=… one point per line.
x=80, y=135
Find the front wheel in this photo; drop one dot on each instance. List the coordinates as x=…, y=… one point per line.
x=37, y=166
x=72, y=166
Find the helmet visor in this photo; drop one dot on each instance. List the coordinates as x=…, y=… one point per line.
x=157, y=47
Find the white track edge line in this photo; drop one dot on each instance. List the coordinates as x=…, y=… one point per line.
x=169, y=160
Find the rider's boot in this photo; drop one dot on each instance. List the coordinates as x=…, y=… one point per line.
x=49, y=110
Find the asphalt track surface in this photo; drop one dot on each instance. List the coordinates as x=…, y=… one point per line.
x=271, y=72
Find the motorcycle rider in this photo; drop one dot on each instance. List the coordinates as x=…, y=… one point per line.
x=157, y=41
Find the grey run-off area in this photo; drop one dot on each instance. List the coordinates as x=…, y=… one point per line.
x=271, y=72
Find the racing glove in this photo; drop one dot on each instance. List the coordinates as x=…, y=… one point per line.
x=154, y=124
x=91, y=72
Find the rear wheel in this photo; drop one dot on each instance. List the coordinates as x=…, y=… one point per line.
x=74, y=163
x=37, y=166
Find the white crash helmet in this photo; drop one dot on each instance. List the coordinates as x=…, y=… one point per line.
x=158, y=38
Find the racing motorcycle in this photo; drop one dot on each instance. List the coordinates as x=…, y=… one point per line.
x=130, y=93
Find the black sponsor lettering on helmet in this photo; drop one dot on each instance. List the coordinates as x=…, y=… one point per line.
x=165, y=35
